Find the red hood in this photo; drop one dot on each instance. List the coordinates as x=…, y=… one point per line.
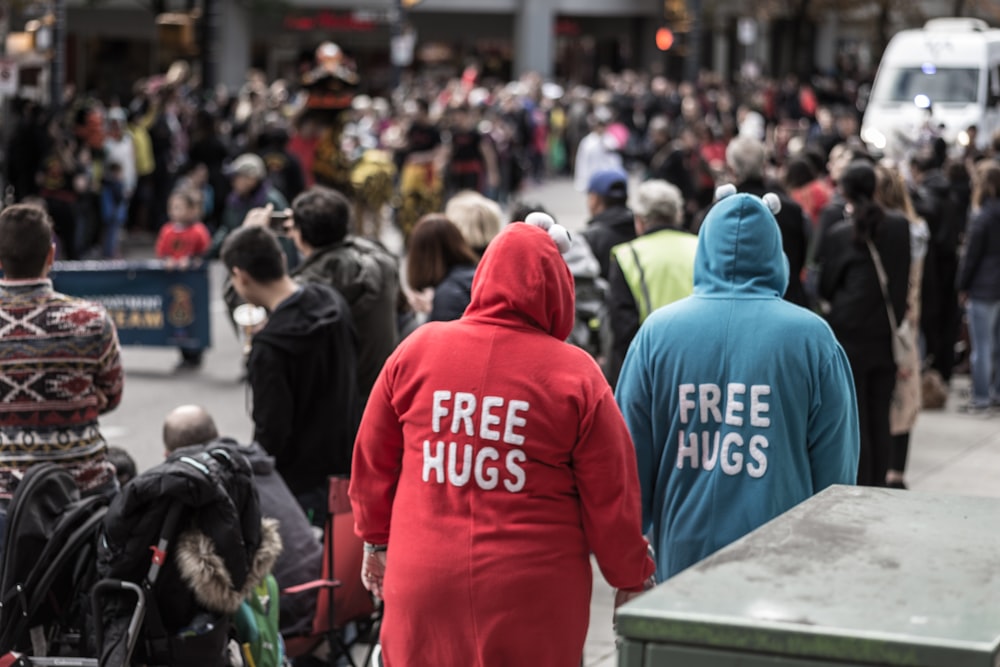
x=522, y=279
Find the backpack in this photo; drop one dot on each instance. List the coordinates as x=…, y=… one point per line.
x=257, y=627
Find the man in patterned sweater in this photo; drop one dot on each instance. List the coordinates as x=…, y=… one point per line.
x=60, y=365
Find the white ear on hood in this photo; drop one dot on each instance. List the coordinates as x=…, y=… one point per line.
x=724, y=190
x=559, y=234
x=772, y=202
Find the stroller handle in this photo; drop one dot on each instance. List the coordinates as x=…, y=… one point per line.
x=138, y=614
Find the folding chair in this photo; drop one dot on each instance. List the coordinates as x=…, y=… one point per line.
x=341, y=596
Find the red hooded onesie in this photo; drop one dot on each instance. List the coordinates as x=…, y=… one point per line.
x=493, y=460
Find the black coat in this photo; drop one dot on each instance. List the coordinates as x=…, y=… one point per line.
x=453, y=294
x=979, y=273
x=606, y=230
x=795, y=232
x=213, y=485
x=302, y=371
x=849, y=282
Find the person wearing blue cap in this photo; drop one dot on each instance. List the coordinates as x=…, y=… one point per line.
x=611, y=220
x=740, y=404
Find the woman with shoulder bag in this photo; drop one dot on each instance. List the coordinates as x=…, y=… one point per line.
x=907, y=397
x=864, y=266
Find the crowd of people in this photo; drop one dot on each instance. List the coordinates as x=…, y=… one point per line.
x=775, y=303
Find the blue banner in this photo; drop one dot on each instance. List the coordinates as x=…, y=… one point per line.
x=149, y=305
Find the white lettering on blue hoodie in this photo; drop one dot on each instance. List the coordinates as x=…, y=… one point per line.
x=740, y=404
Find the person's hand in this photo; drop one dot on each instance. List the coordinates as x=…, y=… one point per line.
x=422, y=301
x=621, y=597
x=373, y=572
x=963, y=299
x=184, y=263
x=169, y=263
x=259, y=217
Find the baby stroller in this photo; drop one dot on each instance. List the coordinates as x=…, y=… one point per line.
x=147, y=601
x=203, y=498
x=48, y=584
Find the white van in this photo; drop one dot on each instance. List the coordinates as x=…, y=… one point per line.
x=942, y=78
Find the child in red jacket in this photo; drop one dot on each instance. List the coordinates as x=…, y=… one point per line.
x=181, y=244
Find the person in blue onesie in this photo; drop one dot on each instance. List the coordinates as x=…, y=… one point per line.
x=740, y=404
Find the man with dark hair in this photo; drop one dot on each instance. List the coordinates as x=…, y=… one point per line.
x=301, y=369
x=611, y=221
x=59, y=361
x=361, y=270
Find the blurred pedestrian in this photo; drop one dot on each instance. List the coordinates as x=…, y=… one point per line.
x=979, y=287
x=182, y=243
x=849, y=257
x=611, y=221
x=907, y=398
x=364, y=272
x=439, y=259
x=479, y=218
x=655, y=269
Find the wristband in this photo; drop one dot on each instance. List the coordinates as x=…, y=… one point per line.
x=375, y=548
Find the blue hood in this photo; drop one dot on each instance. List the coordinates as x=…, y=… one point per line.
x=740, y=251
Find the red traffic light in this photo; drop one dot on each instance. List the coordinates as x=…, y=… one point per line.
x=664, y=39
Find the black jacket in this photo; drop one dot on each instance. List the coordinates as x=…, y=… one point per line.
x=221, y=548
x=367, y=276
x=301, y=559
x=453, y=294
x=306, y=403
x=607, y=229
x=795, y=231
x=979, y=272
x=849, y=282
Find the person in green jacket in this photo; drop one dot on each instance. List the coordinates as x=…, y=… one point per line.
x=652, y=270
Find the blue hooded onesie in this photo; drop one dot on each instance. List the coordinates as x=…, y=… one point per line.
x=740, y=404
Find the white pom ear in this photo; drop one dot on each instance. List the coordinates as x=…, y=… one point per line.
x=772, y=202
x=725, y=190
x=562, y=238
x=538, y=219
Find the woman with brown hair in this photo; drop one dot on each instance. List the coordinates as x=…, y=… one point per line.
x=892, y=195
x=856, y=256
x=440, y=258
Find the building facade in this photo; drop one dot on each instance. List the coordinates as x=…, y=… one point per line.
x=112, y=43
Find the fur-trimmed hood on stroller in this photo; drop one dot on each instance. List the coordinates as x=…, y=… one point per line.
x=223, y=548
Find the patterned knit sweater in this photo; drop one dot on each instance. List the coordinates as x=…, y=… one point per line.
x=60, y=367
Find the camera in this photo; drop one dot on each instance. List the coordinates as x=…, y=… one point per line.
x=278, y=220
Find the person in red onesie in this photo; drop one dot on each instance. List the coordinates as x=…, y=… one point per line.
x=490, y=463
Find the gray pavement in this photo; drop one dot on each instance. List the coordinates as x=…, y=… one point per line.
x=950, y=452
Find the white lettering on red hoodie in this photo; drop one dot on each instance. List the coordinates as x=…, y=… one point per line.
x=493, y=460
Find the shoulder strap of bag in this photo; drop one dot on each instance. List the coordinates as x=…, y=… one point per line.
x=883, y=282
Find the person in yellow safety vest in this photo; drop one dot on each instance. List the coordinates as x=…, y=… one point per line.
x=650, y=271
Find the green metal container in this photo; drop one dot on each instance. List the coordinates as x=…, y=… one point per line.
x=853, y=576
